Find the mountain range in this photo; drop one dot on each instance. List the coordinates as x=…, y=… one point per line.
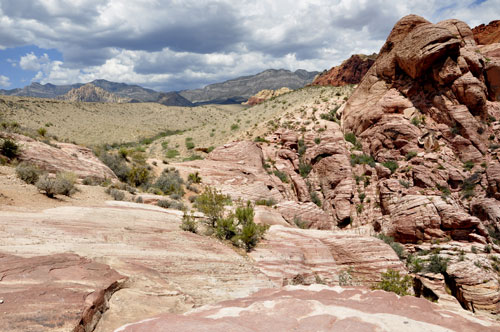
x=229, y=92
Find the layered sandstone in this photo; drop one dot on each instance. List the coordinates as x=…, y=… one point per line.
x=264, y=95
x=487, y=34
x=351, y=71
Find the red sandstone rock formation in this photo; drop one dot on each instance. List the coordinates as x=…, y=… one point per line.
x=61, y=292
x=317, y=308
x=61, y=157
x=351, y=71
x=487, y=34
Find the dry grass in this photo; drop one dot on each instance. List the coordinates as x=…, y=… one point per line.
x=95, y=124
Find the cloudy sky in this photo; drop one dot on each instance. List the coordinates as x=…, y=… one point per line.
x=177, y=44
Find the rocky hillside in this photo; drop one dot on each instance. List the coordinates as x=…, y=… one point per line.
x=91, y=93
x=264, y=95
x=351, y=71
x=487, y=34
x=41, y=90
x=240, y=89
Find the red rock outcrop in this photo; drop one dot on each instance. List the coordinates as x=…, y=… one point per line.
x=351, y=71
x=317, y=308
x=61, y=157
x=311, y=256
x=264, y=95
x=487, y=34
x=60, y=292
x=429, y=82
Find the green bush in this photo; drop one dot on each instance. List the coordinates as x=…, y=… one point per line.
x=188, y=223
x=315, y=199
x=28, y=173
x=414, y=264
x=170, y=182
x=468, y=165
x=281, y=175
x=194, y=177
x=397, y=247
x=437, y=264
x=172, y=153
x=250, y=233
x=9, y=149
x=234, y=126
x=304, y=168
x=116, y=164
x=410, y=155
x=211, y=203
x=138, y=176
x=42, y=131
x=189, y=143
x=391, y=164
x=362, y=159
x=266, y=202
x=225, y=228
x=392, y=281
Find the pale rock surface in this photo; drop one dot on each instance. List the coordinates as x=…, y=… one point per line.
x=317, y=308
x=66, y=157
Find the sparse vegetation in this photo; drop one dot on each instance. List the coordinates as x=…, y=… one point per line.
x=170, y=182
x=362, y=159
x=393, y=281
x=392, y=165
x=9, y=149
x=266, y=202
x=194, y=177
x=61, y=184
x=211, y=203
x=281, y=175
x=28, y=173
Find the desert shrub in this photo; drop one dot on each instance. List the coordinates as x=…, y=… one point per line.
x=28, y=173
x=123, y=152
x=194, y=177
x=414, y=264
x=362, y=159
x=468, y=165
x=404, y=183
x=188, y=223
x=172, y=153
x=65, y=183
x=189, y=143
x=192, y=199
x=116, y=164
x=396, y=246
x=211, y=203
x=299, y=222
x=193, y=157
x=46, y=184
x=117, y=194
x=235, y=126
x=163, y=203
x=139, y=200
x=281, y=175
x=304, y=168
x=301, y=147
x=317, y=140
x=138, y=175
x=468, y=186
x=225, y=228
x=42, y=131
x=351, y=138
x=92, y=181
x=416, y=121
x=259, y=139
x=175, y=196
x=192, y=188
x=410, y=155
x=391, y=164
x=170, y=182
x=392, y=281
x=250, y=233
x=315, y=199
x=437, y=264
x=9, y=149
x=331, y=115
x=266, y=202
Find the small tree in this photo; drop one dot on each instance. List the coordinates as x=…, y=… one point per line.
x=392, y=281
x=211, y=203
x=9, y=149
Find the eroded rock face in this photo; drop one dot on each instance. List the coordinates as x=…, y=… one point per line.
x=290, y=256
x=487, y=34
x=59, y=292
x=63, y=157
x=264, y=95
x=351, y=71
x=317, y=308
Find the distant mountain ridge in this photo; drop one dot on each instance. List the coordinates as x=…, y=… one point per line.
x=91, y=93
x=233, y=91
x=242, y=88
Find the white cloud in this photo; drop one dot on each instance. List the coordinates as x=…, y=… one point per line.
x=31, y=62
x=4, y=81
x=171, y=44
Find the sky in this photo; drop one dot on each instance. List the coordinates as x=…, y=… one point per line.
x=171, y=45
